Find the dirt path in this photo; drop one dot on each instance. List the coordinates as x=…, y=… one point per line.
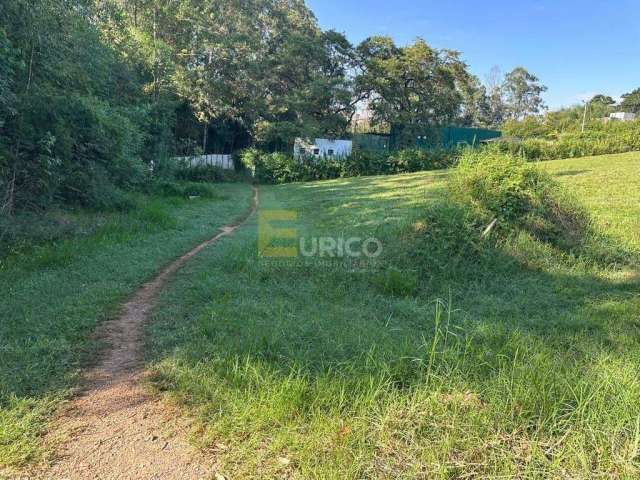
x=116, y=429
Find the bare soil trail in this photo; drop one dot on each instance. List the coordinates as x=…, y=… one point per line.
x=115, y=428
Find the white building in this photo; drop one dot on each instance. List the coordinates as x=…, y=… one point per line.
x=622, y=116
x=322, y=148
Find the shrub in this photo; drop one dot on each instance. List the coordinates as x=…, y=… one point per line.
x=277, y=168
x=73, y=149
x=110, y=198
x=321, y=169
x=519, y=196
x=414, y=159
x=26, y=228
x=270, y=167
x=249, y=158
x=366, y=163
x=497, y=185
x=527, y=128
x=204, y=173
x=167, y=188
x=493, y=199
x=281, y=168
x=599, y=139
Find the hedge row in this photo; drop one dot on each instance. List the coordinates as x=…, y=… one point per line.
x=541, y=143
x=570, y=146
x=281, y=168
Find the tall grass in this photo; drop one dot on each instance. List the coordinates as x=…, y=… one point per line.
x=527, y=369
x=546, y=144
x=56, y=288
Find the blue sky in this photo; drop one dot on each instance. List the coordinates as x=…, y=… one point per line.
x=577, y=48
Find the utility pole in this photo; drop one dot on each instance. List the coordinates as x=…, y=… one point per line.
x=584, y=116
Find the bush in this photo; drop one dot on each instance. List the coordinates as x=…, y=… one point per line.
x=277, y=168
x=26, y=228
x=248, y=159
x=110, y=198
x=366, y=163
x=527, y=128
x=492, y=199
x=204, y=173
x=519, y=196
x=497, y=185
x=414, y=159
x=281, y=168
x=167, y=188
x=204, y=190
x=74, y=150
x=546, y=144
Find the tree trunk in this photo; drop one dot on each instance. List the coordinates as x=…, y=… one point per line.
x=7, y=206
x=29, y=75
x=204, y=138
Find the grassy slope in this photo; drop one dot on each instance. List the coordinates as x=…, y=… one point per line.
x=52, y=297
x=318, y=372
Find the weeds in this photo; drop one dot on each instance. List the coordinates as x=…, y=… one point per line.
x=274, y=168
x=540, y=141
x=491, y=200
x=531, y=375
x=56, y=288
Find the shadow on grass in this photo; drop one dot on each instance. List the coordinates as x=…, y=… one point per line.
x=263, y=349
x=322, y=316
x=324, y=319
x=570, y=173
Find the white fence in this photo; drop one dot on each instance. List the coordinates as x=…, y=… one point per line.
x=215, y=160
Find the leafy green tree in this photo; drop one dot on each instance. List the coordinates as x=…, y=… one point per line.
x=475, y=110
x=264, y=67
x=312, y=93
x=144, y=33
x=495, y=112
x=600, y=106
x=565, y=119
x=631, y=102
x=66, y=134
x=412, y=88
x=523, y=93
x=8, y=68
x=602, y=99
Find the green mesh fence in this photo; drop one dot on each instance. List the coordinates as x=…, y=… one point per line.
x=371, y=142
x=444, y=137
x=449, y=137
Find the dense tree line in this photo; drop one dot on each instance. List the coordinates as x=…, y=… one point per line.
x=95, y=92
x=74, y=122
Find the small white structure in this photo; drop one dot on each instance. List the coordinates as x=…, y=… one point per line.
x=622, y=116
x=322, y=148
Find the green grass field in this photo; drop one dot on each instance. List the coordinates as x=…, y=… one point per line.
x=317, y=369
x=52, y=295
x=527, y=366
